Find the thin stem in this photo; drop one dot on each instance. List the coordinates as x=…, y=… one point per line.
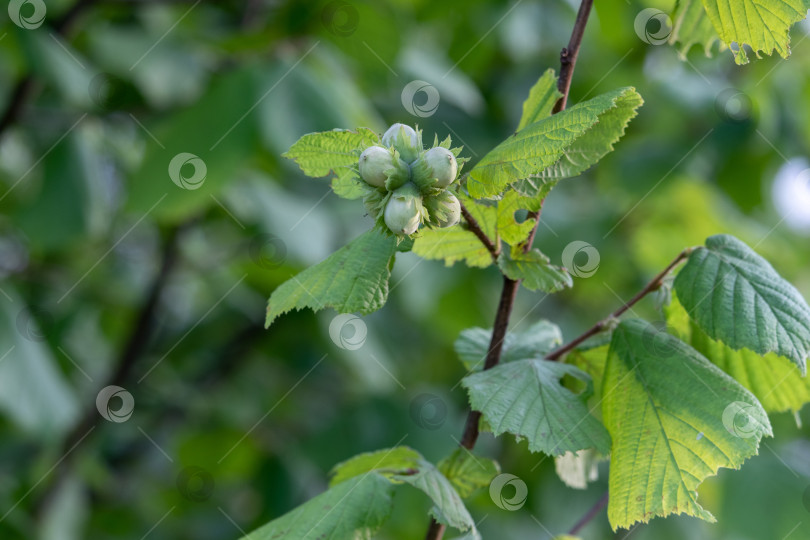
x=652, y=286
x=476, y=229
x=568, y=58
x=590, y=514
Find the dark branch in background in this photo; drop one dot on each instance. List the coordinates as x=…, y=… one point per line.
x=568, y=58
x=24, y=88
x=133, y=349
x=475, y=228
x=590, y=514
x=652, y=286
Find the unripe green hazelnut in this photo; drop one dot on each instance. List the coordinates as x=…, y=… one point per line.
x=374, y=161
x=452, y=209
x=403, y=210
x=442, y=164
x=404, y=139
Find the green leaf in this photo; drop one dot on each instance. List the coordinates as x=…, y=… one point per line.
x=457, y=243
x=541, y=100
x=541, y=144
x=510, y=231
x=353, y=279
x=211, y=131
x=761, y=24
x=534, y=342
x=535, y=270
x=526, y=398
x=774, y=380
x=319, y=154
x=592, y=146
x=354, y=509
x=349, y=186
x=692, y=26
x=405, y=465
x=448, y=507
x=675, y=419
x=388, y=462
x=467, y=472
x=34, y=394
x=736, y=296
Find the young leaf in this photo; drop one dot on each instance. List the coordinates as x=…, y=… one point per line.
x=526, y=398
x=448, y=507
x=761, y=24
x=319, y=154
x=535, y=270
x=541, y=100
x=690, y=26
x=675, y=419
x=736, y=296
x=777, y=383
x=534, y=342
x=593, y=145
x=389, y=462
x=468, y=472
x=355, y=509
x=510, y=231
x=405, y=465
x=541, y=144
x=353, y=279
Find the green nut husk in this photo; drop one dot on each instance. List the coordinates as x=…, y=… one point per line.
x=405, y=140
x=444, y=209
x=403, y=211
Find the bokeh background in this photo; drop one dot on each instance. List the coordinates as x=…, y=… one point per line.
x=114, y=275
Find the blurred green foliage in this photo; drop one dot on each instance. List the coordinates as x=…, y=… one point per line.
x=87, y=206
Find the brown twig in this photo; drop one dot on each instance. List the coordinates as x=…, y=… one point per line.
x=568, y=58
x=653, y=285
x=475, y=228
